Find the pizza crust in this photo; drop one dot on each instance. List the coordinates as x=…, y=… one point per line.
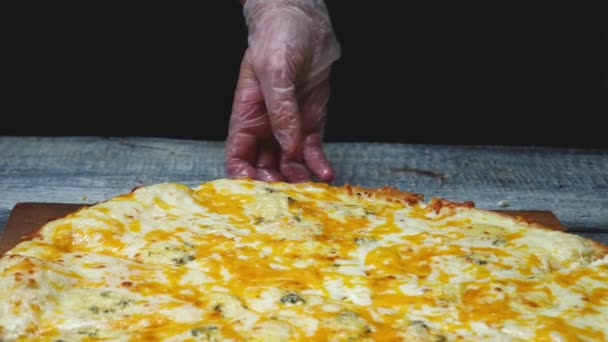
x=441, y=205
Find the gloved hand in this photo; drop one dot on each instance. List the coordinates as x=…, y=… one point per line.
x=278, y=113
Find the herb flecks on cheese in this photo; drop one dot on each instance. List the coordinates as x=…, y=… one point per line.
x=246, y=260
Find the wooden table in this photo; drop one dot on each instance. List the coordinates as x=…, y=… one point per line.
x=573, y=183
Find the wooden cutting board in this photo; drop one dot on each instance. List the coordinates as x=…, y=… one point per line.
x=29, y=216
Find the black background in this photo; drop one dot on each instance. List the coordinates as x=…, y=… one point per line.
x=457, y=73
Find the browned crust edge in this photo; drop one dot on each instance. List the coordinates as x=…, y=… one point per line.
x=390, y=194
x=436, y=204
x=600, y=249
x=530, y=223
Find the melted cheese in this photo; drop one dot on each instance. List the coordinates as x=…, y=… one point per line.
x=245, y=260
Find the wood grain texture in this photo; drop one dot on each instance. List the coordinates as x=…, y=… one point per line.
x=572, y=183
x=25, y=218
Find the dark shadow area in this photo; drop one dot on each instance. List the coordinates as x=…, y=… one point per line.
x=425, y=73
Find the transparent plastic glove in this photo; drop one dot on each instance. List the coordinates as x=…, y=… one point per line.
x=279, y=108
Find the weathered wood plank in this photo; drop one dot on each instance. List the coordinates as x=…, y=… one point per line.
x=572, y=183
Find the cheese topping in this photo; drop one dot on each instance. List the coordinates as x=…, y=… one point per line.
x=245, y=260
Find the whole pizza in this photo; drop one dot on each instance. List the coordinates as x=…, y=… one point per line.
x=241, y=260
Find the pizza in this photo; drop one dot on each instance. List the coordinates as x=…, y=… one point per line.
x=242, y=260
